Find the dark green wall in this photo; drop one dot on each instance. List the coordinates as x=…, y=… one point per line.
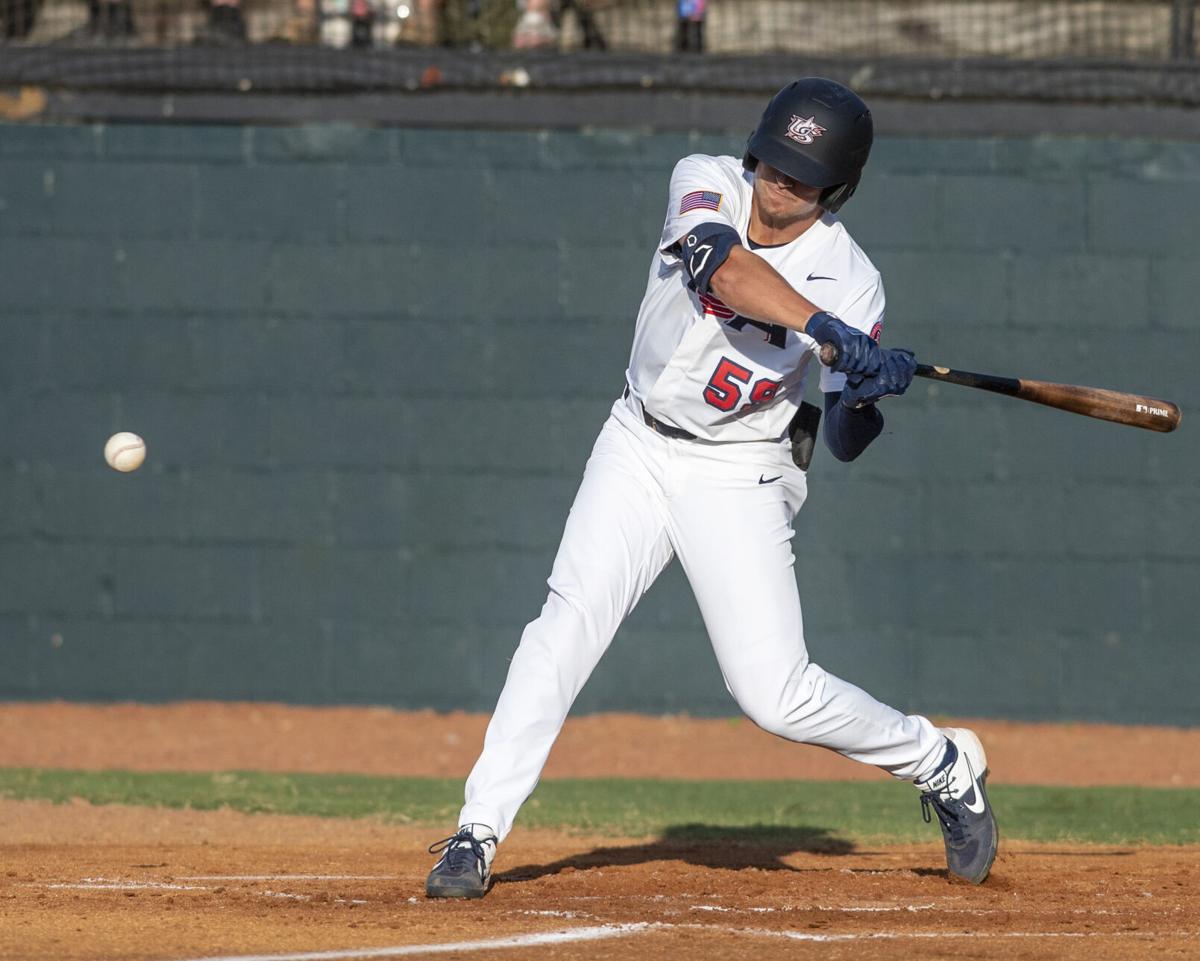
x=370, y=364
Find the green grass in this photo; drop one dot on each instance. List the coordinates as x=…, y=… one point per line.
x=819, y=813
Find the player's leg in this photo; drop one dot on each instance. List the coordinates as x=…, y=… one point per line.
x=613, y=547
x=733, y=537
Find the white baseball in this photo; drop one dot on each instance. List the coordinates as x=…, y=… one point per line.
x=125, y=451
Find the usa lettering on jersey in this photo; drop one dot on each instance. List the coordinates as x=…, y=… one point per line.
x=773, y=334
x=716, y=308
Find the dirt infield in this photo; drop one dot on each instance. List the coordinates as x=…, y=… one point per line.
x=82, y=882
x=206, y=736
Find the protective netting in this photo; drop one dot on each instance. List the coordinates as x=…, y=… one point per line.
x=1099, y=50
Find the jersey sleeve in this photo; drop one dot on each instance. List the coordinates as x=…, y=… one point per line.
x=862, y=310
x=701, y=192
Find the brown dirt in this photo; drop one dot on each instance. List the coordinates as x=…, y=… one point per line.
x=86, y=883
x=82, y=882
x=203, y=736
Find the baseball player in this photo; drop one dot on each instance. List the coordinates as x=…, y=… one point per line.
x=703, y=458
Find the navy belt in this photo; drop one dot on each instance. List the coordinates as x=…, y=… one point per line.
x=656, y=425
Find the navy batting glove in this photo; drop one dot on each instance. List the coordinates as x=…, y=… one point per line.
x=857, y=354
x=896, y=371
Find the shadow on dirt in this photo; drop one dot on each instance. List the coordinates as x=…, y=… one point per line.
x=704, y=845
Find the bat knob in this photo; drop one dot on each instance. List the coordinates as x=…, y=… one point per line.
x=828, y=354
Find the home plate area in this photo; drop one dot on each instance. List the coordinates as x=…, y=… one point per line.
x=218, y=885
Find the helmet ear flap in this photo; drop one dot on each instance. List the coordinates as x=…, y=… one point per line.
x=833, y=197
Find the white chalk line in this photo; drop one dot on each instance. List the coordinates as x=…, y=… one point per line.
x=883, y=907
x=125, y=886
x=950, y=935
x=596, y=933
x=724, y=909
x=112, y=884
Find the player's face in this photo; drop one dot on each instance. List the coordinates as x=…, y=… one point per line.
x=781, y=200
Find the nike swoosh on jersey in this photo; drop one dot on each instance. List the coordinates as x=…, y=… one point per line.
x=819, y=277
x=769, y=480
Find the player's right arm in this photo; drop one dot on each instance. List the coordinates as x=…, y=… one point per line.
x=701, y=233
x=751, y=286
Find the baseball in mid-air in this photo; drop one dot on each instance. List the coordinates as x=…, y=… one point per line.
x=125, y=451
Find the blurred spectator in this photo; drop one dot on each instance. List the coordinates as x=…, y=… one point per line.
x=690, y=36
x=535, y=27
x=362, y=23
x=540, y=23
x=16, y=18
x=109, y=20
x=225, y=22
x=593, y=39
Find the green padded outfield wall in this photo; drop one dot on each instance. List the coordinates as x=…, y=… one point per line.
x=370, y=364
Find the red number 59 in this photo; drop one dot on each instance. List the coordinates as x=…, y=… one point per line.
x=724, y=388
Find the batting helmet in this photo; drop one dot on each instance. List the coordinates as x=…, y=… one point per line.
x=817, y=132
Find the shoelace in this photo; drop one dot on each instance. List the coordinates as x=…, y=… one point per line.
x=456, y=847
x=949, y=813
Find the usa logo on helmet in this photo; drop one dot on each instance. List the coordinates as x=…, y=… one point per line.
x=804, y=129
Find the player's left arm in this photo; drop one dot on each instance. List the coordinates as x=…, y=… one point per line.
x=849, y=431
x=852, y=421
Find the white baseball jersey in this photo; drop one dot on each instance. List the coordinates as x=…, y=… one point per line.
x=695, y=363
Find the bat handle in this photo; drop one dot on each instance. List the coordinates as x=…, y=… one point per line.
x=828, y=354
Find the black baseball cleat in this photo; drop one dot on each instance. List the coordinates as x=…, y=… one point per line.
x=464, y=869
x=955, y=793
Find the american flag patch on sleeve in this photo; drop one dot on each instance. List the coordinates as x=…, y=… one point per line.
x=700, y=200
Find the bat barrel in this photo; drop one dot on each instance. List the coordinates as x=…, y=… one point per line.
x=1134, y=410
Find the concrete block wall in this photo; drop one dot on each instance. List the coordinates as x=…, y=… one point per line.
x=370, y=364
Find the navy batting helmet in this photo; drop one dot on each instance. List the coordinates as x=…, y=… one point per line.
x=817, y=132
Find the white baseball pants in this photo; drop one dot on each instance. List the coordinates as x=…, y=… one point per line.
x=645, y=498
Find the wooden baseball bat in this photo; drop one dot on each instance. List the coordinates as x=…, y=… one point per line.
x=1120, y=408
